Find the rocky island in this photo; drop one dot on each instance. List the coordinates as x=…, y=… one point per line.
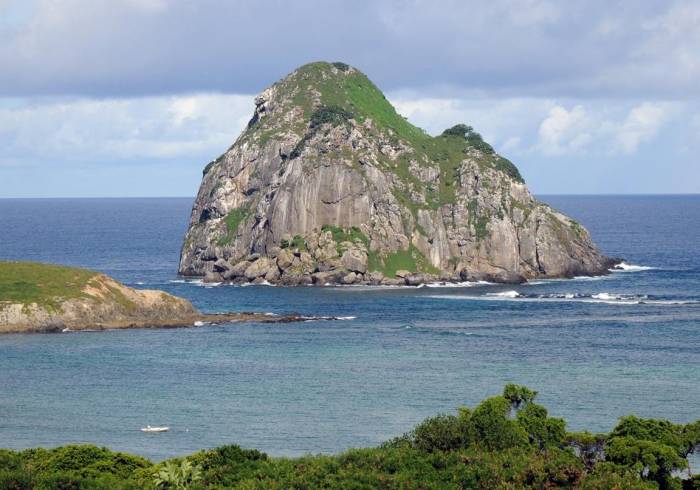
x=329, y=184
x=52, y=298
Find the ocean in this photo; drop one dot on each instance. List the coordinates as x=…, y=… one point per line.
x=595, y=348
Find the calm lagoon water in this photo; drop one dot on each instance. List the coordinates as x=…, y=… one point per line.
x=596, y=349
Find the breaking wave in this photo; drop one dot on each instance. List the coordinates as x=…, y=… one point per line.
x=602, y=298
x=625, y=267
x=505, y=294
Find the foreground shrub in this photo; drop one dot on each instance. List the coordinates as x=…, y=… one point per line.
x=505, y=442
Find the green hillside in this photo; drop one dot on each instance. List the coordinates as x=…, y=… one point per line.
x=43, y=284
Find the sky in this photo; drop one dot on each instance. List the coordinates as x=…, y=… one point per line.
x=122, y=98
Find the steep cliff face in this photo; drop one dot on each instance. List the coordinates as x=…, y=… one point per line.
x=329, y=184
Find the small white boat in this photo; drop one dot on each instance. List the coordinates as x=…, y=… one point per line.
x=148, y=428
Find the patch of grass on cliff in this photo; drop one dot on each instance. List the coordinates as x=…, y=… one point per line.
x=352, y=234
x=128, y=305
x=232, y=220
x=43, y=284
x=578, y=230
x=478, y=221
x=411, y=260
x=296, y=243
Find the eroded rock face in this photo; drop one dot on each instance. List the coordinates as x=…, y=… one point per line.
x=329, y=184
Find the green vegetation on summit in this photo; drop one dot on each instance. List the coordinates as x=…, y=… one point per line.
x=353, y=96
x=506, y=442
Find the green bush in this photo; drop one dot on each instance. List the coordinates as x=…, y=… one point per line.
x=16, y=479
x=333, y=115
x=341, y=66
x=492, y=428
x=505, y=442
x=442, y=433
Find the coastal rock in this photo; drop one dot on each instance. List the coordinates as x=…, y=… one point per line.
x=212, y=276
x=349, y=278
x=222, y=266
x=376, y=278
x=285, y=258
x=259, y=268
x=393, y=281
x=326, y=277
x=415, y=279
x=328, y=177
x=237, y=270
x=354, y=260
x=273, y=274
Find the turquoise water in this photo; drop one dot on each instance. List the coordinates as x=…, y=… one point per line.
x=595, y=348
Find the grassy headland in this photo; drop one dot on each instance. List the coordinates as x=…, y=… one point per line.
x=37, y=297
x=42, y=284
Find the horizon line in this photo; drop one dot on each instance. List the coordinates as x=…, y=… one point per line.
x=603, y=194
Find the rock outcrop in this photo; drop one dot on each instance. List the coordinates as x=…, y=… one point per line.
x=51, y=298
x=328, y=184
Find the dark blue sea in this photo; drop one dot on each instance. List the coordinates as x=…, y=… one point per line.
x=595, y=349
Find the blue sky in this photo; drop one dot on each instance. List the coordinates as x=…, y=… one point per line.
x=134, y=97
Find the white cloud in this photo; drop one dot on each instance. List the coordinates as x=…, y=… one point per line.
x=565, y=130
x=602, y=129
x=579, y=48
x=511, y=144
x=196, y=127
x=505, y=123
x=641, y=125
x=544, y=126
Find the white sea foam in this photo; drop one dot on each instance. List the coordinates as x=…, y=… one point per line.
x=462, y=284
x=614, y=299
x=605, y=296
x=555, y=280
x=263, y=283
x=505, y=294
x=195, y=282
x=625, y=267
x=598, y=298
x=345, y=317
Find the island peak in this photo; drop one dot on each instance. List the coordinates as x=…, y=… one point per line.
x=329, y=184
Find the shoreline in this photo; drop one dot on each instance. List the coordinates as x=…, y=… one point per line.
x=414, y=280
x=198, y=321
